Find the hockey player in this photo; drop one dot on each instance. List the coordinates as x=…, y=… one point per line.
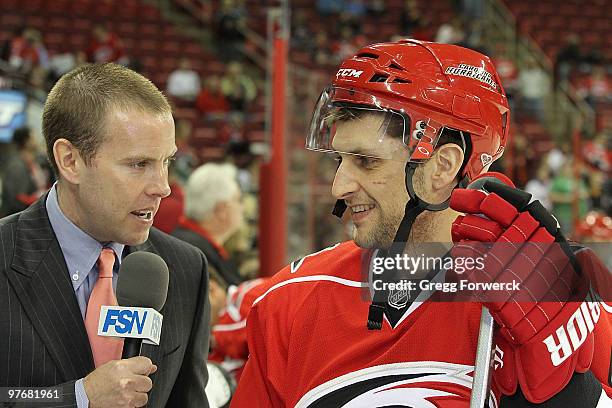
x=412, y=123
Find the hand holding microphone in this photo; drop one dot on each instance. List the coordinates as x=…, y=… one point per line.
x=142, y=288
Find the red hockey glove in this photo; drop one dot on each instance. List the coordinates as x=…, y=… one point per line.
x=545, y=320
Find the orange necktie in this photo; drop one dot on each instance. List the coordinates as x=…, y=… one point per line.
x=104, y=348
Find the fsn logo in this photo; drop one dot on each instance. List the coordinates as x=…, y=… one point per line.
x=348, y=72
x=123, y=321
x=572, y=334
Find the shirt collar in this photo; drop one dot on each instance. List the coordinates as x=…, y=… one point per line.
x=81, y=251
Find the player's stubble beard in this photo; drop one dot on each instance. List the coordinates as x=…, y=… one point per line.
x=382, y=233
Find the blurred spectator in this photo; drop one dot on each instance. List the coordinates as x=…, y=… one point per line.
x=60, y=64
x=23, y=178
x=301, y=34
x=184, y=82
x=595, y=227
x=231, y=130
x=376, y=8
x=596, y=180
x=239, y=152
x=321, y=52
x=507, y=71
x=34, y=37
x=451, y=32
x=37, y=93
x=522, y=159
x=606, y=196
x=37, y=80
x=213, y=212
x=238, y=87
x=472, y=9
x=595, y=89
x=105, y=46
x=356, y=9
x=473, y=36
x=185, y=159
x=351, y=17
x=410, y=18
x=597, y=152
x=7, y=45
x=568, y=57
x=348, y=45
x=564, y=190
x=211, y=101
x=557, y=157
x=231, y=21
x=228, y=336
x=539, y=186
x=533, y=86
x=328, y=7
x=27, y=51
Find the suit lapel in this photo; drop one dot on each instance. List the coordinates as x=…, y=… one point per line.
x=40, y=278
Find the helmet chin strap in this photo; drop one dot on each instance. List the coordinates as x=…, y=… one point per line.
x=414, y=207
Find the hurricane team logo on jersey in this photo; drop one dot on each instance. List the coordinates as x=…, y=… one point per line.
x=422, y=384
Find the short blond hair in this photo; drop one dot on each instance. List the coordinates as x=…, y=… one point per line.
x=77, y=106
x=208, y=185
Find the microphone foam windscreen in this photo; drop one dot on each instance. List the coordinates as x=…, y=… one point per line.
x=143, y=281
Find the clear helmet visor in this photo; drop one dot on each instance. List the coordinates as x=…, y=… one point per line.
x=351, y=122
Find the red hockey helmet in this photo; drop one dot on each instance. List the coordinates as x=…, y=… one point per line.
x=431, y=87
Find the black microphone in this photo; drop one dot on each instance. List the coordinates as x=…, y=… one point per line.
x=143, y=282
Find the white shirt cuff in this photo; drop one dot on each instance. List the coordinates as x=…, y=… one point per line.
x=81, y=396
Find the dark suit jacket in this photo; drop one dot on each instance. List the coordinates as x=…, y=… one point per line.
x=226, y=269
x=43, y=341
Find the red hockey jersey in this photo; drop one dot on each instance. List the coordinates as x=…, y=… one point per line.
x=230, y=338
x=310, y=347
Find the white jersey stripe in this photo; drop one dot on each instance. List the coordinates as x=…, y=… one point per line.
x=313, y=278
x=229, y=327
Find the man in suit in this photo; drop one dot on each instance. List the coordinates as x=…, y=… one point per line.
x=109, y=135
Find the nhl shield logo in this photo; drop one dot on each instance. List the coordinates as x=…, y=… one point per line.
x=398, y=299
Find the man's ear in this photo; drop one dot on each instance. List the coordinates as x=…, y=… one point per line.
x=68, y=160
x=447, y=161
x=220, y=210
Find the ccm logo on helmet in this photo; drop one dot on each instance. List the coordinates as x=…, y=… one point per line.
x=347, y=72
x=572, y=334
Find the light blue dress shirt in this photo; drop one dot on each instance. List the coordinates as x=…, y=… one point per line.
x=81, y=252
